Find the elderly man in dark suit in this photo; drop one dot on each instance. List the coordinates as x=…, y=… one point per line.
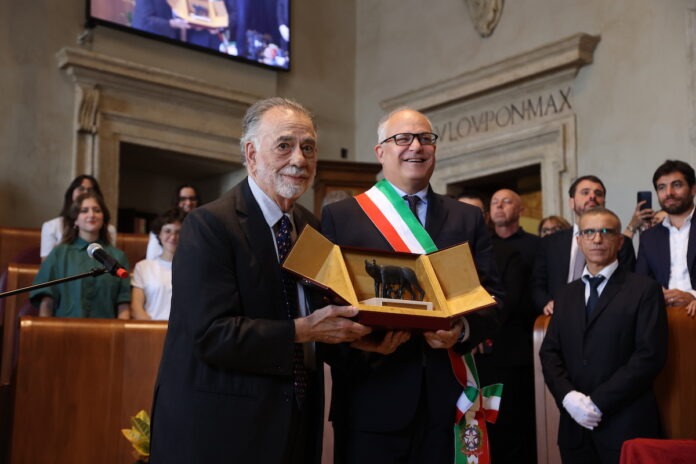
x=238, y=380
x=667, y=252
x=606, y=343
x=559, y=259
x=394, y=397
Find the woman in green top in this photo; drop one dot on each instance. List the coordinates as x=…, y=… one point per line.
x=103, y=296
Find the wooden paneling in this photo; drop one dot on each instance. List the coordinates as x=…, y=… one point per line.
x=354, y=178
x=78, y=382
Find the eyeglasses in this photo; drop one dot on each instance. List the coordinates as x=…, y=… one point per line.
x=590, y=234
x=188, y=198
x=406, y=138
x=82, y=189
x=550, y=230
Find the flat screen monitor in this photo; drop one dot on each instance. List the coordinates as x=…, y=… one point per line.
x=254, y=31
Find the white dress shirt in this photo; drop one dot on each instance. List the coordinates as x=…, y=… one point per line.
x=679, y=277
x=272, y=214
x=606, y=271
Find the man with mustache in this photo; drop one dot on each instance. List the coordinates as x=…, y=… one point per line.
x=667, y=251
x=394, y=395
x=560, y=260
x=239, y=380
x=606, y=343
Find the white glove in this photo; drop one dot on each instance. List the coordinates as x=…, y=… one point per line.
x=582, y=409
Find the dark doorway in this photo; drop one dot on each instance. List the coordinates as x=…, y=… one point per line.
x=526, y=181
x=148, y=177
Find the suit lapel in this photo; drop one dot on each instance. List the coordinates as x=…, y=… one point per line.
x=663, y=255
x=577, y=291
x=258, y=235
x=435, y=216
x=612, y=288
x=566, y=241
x=691, y=252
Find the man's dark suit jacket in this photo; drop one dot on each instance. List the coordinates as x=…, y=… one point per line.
x=379, y=393
x=614, y=358
x=224, y=391
x=654, y=255
x=552, y=262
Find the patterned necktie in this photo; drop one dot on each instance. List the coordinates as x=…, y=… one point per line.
x=299, y=372
x=413, y=204
x=594, y=294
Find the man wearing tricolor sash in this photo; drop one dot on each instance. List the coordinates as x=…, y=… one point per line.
x=395, y=396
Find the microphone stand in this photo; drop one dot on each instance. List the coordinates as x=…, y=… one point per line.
x=93, y=273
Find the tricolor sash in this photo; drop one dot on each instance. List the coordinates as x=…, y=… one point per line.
x=395, y=221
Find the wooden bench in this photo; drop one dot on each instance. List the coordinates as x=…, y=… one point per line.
x=675, y=387
x=78, y=382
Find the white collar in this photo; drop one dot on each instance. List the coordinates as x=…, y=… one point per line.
x=270, y=209
x=606, y=271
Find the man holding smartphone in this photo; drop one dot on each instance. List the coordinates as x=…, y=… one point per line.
x=667, y=252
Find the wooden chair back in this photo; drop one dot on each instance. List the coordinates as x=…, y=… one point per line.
x=15, y=240
x=133, y=245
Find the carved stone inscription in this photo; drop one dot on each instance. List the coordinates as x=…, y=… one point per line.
x=509, y=114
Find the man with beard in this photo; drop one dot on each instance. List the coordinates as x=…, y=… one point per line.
x=238, y=381
x=667, y=252
x=395, y=394
x=560, y=260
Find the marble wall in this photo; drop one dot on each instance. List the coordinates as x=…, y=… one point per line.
x=634, y=105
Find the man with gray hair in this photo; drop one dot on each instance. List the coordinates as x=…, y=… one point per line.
x=239, y=379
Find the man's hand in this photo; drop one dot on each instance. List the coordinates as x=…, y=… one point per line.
x=582, y=409
x=548, y=309
x=674, y=297
x=691, y=309
x=391, y=341
x=330, y=325
x=444, y=339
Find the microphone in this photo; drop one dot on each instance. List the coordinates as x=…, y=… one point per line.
x=95, y=251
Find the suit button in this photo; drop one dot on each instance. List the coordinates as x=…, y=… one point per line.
x=584, y=362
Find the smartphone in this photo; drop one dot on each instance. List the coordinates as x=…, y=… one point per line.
x=647, y=197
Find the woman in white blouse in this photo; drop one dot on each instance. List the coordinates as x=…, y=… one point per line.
x=186, y=198
x=152, y=278
x=52, y=231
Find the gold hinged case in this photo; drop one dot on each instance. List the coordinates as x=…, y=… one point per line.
x=205, y=13
x=448, y=277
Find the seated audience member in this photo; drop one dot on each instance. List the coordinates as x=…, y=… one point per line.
x=52, y=231
x=606, y=343
x=667, y=251
x=560, y=260
x=552, y=224
x=186, y=198
x=103, y=296
x=152, y=278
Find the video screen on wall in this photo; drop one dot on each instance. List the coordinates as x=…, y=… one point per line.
x=255, y=31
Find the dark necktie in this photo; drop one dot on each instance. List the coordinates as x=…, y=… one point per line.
x=413, y=204
x=594, y=294
x=284, y=241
